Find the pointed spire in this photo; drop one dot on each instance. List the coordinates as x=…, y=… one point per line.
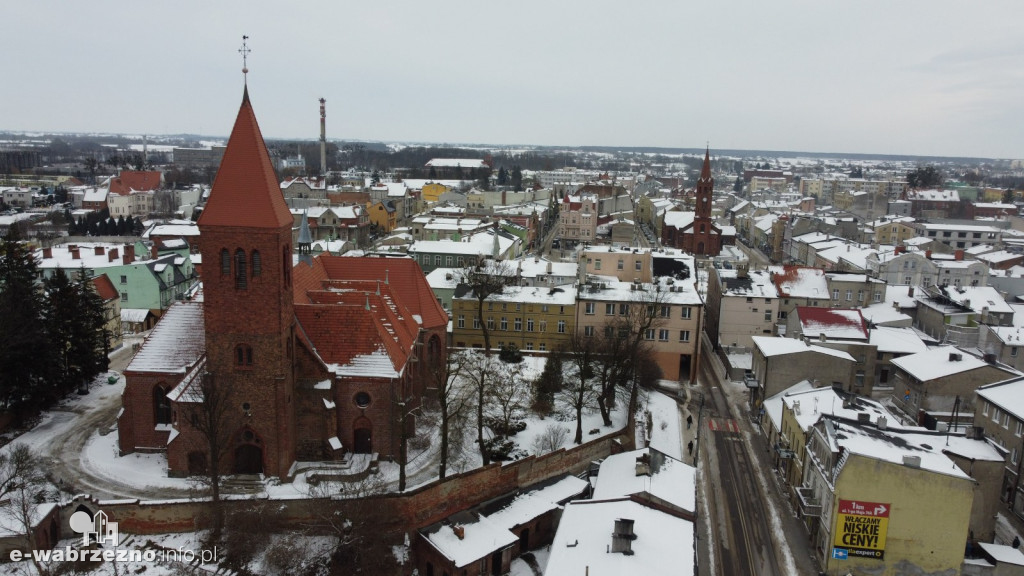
x=246, y=193
x=378, y=287
x=367, y=300
x=305, y=237
x=705, y=170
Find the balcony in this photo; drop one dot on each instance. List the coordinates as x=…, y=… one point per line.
x=809, y=505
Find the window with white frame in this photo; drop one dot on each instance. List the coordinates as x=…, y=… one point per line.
x=589, y=307
x=663, y=335
x=462, y=321
x=649, y=334
x=684, y=335
x=687, y=312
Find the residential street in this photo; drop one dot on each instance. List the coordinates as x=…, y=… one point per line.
x=753, y=528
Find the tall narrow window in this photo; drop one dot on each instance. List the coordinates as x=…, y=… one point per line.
x=161, y=406
x=240, y=275
x=286, y=265
x=225, y=262
x=243, y=355
x=257, y=264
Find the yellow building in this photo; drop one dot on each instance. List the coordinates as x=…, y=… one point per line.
x=383, y=215
x=888, y=502
x=533, y=318
x=432, y=191
x=893, y=232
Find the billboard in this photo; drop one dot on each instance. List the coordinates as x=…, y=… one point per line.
x=861, y=528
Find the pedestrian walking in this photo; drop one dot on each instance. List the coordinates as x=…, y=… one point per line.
x=689, y=421
x=689, y=447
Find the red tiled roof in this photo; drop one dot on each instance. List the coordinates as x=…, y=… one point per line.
x=404, y=276
x=246, y=193
x=363, y=332
x=138, y=180
x=104, y=287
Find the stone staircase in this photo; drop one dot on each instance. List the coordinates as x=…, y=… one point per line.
x=242, y=484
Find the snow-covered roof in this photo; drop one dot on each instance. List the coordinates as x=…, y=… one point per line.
x=832, y=323
x=172, y=230
x=669, y=479
x=530, y=268
x=978, y=298
x=896, y=340
x=375, y=364
x=134, y=315
x=455, y=163
x=663, y=544
x=679, y=219
x=444, y=278
x=1003, y=554
x=799, y=281
x=779, y=346
x=1008, y=395
x=757, y=283
x=178, y=340
x=773, y=404
x=481, y=537
x=475, y=245
x=934, y=195
x=891, y=445
x=530, y=505
x=609, y=290
x=1008, y=335
x=936, y=363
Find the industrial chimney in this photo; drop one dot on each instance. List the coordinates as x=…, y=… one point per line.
x=323, y=139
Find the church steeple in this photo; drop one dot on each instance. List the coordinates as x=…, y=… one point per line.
x=245, y=192
x=705, y=189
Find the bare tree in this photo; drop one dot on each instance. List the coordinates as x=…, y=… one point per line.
x=208, y=410
x=509, y=396
x=22, y=484
x=451, y=397
x=551, y=439
x=481, y=374
x=626, y=344
x=485, y=279
x=349, y=513
x=581, y=392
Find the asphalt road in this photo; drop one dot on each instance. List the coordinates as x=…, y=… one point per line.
x=741, y=528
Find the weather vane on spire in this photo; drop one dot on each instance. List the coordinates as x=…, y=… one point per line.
x=244, y=51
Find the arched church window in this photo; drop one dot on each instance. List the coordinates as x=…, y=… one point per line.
x=243, y=355
x=240, y=275
x=225, y=262
x=161, y=406
x=257, y=264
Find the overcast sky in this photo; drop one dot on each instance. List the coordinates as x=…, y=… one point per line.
x=931, y=77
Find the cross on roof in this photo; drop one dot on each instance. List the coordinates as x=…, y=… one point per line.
x=244, y=51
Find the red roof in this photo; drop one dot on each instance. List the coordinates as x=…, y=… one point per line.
x=245, y=193
x=404, y=276
x=137, y=180
x=105, y=288
x=837, y=323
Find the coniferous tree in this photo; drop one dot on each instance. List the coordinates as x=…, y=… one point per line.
x=517, y=178
x=89, y=347
x=23, y=344
x=59, y=317
x=502, y=176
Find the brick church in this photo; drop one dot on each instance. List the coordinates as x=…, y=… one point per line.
x=314, y=356
x=696, y=232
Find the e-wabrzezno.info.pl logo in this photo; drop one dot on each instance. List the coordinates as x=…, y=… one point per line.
x=100, y=530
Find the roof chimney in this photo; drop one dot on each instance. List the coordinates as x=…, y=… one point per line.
x=112, y=255
x=958, y=255
x=623, y=536
x=460, y=531
x=910, y=291
x=47, y=252
x=928, y=254
x=154, y=252
x=97, y=251
x=74, y=253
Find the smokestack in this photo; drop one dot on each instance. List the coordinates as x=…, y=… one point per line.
x=323, y=138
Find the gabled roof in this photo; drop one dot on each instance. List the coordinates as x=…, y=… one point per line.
x=246, y=193
x=135, y=180
x=800, y=281
x=937, y=363
x=177, y=342
x=833, y=323
x=104, y=287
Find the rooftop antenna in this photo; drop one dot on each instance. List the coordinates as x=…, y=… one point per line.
x=244, y=51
